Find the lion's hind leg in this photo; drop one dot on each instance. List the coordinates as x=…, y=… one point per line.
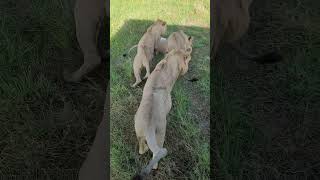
x=147, y=66
x=143, y=147
x=160, y=135
x=137, y=71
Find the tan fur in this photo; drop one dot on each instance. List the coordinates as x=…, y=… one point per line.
x=87, y=15
x=176, y=40
x=230, y=21
x=150, y=118
x=180, y=40
x=146, y=46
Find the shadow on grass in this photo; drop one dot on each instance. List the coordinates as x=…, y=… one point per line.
x=267, y=116
x=47, y=125
x=187, y=135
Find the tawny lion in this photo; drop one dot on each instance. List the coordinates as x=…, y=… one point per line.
x=146, y=47
x=150, y=118
x=176, y=40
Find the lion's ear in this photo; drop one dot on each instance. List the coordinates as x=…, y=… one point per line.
x=164, y=23
x=190, y=38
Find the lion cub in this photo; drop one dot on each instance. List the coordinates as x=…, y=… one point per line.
x=150, y=118
x=146, y=47
x=176, y=40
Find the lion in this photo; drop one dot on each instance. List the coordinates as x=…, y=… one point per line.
x=88, y=17
x=176, y=40
x=231, y=20
x=150, y=118
x=180, y=40
x=146, y=46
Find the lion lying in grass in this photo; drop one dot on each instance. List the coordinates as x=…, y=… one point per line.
x=146, y=47
x=150, y=118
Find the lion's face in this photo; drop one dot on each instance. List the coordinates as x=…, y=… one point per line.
x=161, y=26
x=185, y=58
x=188, y=42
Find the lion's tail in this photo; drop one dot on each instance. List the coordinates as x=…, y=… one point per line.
x=127, y=53
x=160, y=153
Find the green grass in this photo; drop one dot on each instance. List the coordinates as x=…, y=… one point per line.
x=266, y=116
x=47, y=125
x=187, y=138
